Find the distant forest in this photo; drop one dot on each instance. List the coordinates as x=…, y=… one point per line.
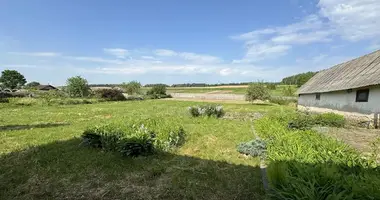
x=298, y=79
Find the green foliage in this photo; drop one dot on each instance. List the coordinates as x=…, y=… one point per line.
x=157, y=96
x=298, y=79
x=253, y=148
x=77, y=87
x=305, y=121
x=32, y=85
x=110, y=94
x=257, y=91
x=288, y=91
x=282, y=101
x=271, y=86
x=135, y=138
x=132, y=87
x=4, y=100
x=27, y=101
x=307, y=165
x=12, y=79
x=158, y=89
x=207, y=110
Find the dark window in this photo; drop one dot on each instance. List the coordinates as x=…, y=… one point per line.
x=362, y=95
x=318, y=96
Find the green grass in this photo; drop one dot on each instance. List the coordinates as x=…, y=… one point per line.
x=41, y=156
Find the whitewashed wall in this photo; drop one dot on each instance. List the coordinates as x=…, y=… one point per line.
x=343, y=101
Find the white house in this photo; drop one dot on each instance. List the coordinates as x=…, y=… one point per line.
x=351, y=88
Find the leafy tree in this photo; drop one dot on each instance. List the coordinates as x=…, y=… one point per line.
x=298, y=79
x=77, y=87
x=288, y=91
x=132, y=87
x=271, y=86
x=257, y=91
x=32, y=84
x=12, y=79
x=158, y=89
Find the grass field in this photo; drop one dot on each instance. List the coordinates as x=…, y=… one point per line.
x=41, y=156
x=241, y=89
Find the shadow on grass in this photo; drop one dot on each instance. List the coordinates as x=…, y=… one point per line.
x=31, y=126
x=66, y=170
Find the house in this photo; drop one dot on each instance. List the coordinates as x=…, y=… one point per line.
x=351, y=88
x=46, y=87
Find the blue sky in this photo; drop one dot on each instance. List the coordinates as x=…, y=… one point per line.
x=172, y=41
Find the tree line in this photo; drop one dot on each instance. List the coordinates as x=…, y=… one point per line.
x=298, y=79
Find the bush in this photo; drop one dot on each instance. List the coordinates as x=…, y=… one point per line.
x=132, y=87
x=71, y=101
x=282, y=101
x=271, y=86
x=4, y=100
x=288, y=91
x=253, y=148
x=77, y=87
x=207, y=110
x=159, y=89
x=257, y=91
x=110, y=94
x=135, y=138
x=157, y=96
x=329, y=119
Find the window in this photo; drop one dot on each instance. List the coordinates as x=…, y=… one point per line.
x=318, y=96
x=362, y=95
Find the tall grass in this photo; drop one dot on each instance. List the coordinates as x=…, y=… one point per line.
x=307, y=165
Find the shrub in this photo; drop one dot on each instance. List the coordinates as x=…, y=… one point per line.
x=4, y=100
x=207, y=110
x=271, y=86
x=132, y=87
x=135, y=138
x=77, y=87
x=253, y=148
x=158, y=89
x=288, y=91
x=110, y=94
x=282, y=101
x=330, y=119
x=257, y=91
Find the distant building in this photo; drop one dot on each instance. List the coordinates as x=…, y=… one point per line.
x=350, y=88
x=46, y=87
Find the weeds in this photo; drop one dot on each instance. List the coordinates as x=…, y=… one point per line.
x=207, y=110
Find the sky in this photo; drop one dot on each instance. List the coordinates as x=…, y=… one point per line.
x=188, y=41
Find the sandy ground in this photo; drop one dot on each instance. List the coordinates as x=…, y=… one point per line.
x=359, y=138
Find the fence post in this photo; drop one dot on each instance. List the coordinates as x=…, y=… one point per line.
x=376, y=120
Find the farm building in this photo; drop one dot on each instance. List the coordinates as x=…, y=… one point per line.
x=46, y=87
x=351, y=88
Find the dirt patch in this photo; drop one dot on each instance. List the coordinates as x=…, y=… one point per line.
x=358, y=138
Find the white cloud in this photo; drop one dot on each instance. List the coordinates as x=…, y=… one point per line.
x=258, y=52
x=37, y=54
x=119, y=53
x=164, y=52
x=354, y=19
x=303, y=38
x=95, y=59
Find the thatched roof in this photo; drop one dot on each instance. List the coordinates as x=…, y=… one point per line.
x=360, y=72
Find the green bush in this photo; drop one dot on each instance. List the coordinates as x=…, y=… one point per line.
x=253, y=148
x=330, y=119
x=288, y=91
x=271, y=86
x=158, y=89
x=110, y=94
x=282, y=101
x=257, y=91
x=135, y=138
x=206, y=110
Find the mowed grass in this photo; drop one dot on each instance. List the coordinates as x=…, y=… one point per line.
x=42, y=157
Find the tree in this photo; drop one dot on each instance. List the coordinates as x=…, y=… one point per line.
x=158, y=89
x=77, y=87
x=257, y=91
x=132, y=87
x=298, y=79
x=12, y=79
x=32, y=85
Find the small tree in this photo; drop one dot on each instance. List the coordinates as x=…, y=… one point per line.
x=12, y=79
x=288, y=91
x=271, y=86
x=158, y=89
x=132, y=87
x=32, y=85
x=77, y=87
x=257, y=91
